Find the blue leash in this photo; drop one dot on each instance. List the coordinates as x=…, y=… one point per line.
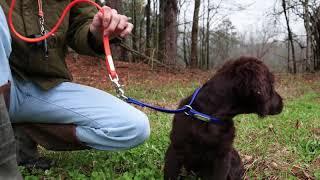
x=187, y=109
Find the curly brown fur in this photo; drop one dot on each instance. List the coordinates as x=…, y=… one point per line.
x=240, y=87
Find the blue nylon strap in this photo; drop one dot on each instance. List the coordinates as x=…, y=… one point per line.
x=187, y=109
x=183, y=109
x=139, y=103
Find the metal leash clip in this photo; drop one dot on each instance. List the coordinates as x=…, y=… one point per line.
x=118, y=86
x=44, y=32
x=188, y=108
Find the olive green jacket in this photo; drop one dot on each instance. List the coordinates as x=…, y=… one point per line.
x=28, y=62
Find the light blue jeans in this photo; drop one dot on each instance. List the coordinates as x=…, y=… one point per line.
x=103, y=121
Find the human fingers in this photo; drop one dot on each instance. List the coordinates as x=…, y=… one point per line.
x=127, y=30
x=95, y=27
x=114, y=21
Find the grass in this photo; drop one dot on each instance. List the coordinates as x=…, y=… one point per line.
x=286, y=146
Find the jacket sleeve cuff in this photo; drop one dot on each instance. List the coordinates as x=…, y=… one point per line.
x=93, y=46
x=97, y=44
x=89, y=45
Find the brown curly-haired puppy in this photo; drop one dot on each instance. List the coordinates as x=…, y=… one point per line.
x=240, y=87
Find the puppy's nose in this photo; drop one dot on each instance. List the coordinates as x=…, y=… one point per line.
x=277, y=105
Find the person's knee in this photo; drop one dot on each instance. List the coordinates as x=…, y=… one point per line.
x=142, y=128
x=126, y=130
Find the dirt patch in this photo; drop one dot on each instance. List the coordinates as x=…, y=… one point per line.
x=316, y=131
x=90, y=71
x=316, y=162
x=301, y=173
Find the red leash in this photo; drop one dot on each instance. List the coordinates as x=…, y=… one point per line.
x=109, y=61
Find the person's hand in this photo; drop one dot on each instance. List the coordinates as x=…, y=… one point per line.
x=110, y=23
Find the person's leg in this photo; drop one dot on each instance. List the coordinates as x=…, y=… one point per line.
x=102, y=121
x=5, y=50
x=25, y=147
x=8, y=163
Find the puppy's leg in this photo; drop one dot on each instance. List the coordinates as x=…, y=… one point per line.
x=172, y=164
x=237, y=168
x=219, y=170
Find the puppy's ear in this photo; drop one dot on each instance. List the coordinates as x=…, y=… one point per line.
x=253, y=83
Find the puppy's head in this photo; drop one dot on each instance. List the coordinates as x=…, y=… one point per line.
x=250, y=85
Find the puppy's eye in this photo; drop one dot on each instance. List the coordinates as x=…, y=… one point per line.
x=259, y=92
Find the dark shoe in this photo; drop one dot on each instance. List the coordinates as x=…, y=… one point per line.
x=27, y=151
x=55, y=137
x=26, y=148
x=40, y=163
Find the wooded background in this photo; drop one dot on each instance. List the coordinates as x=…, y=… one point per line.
x=199, y=34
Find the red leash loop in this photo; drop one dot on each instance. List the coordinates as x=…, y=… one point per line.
x=40, y=13
x=56, y=26
x=109, y=61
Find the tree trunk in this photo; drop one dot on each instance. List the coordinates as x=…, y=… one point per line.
x=185, y=55
x=155, y=27
x=115, y=4
x=306, y=18
x=290, y=37
x=168, y=31
x=161, y=30
x=208, y=36
x=134, y=30
x=141, y=35
x=315, y=41
x=148, y=28
x=194, y=35
x=203, y=41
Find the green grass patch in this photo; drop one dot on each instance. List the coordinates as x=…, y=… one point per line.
x=280, y=144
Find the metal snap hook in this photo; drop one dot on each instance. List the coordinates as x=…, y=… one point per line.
x=188, y=109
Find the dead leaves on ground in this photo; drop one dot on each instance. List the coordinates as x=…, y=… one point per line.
x=261, y=165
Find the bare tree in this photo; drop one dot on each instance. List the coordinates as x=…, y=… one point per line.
x=148, y=27
x=315, y=30
x=306, y=10
x=184, y=41
x=290, y=37
x=134, y=30
x=210, y=16
x=306, y=17
x=265, y=40
x=194, y=38
x=116, y=4
x=168, y=31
